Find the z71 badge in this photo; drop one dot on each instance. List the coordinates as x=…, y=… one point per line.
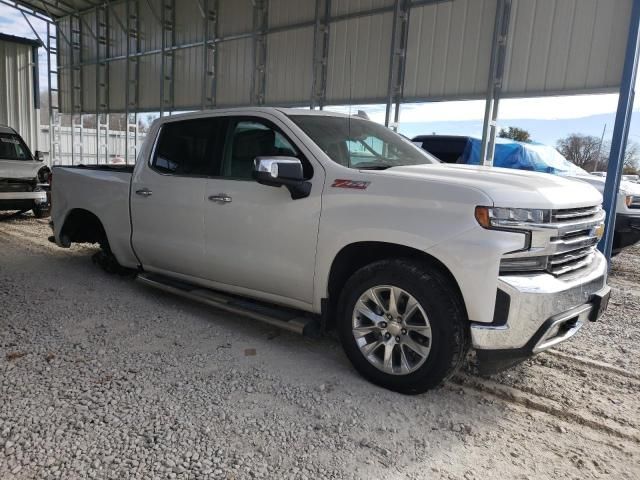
x=355, y=184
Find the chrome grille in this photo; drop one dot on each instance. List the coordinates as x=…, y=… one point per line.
x=635, y=202
x=14, y=185
x=570, y=214
x=575, y=245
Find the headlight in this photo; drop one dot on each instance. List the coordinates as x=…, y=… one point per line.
x=512, y=218
x=628, y=200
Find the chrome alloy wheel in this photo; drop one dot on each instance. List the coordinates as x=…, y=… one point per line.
x=391, y=329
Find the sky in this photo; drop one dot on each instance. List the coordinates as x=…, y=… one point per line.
x=548, y=119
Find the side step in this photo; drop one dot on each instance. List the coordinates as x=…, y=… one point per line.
x=284, y=318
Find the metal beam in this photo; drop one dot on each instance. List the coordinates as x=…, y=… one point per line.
x=210, y=52
x=167, y=21
x=621, y=128
x=33, y=29
x=33, y=12
x=321, y=31
x=496, y=72
x=260, y=27
x=399, y=36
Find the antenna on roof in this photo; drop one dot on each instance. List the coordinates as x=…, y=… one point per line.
x=362, y=114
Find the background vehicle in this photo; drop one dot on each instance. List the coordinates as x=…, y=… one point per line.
x=24, y=179
x=541, y=158
x=339, y=221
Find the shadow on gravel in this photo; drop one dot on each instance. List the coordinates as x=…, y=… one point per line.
x=18, y=215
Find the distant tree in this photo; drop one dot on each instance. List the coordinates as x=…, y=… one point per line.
x=631, y=158
x=515, y=133
x=582, y=150
x=631, y=163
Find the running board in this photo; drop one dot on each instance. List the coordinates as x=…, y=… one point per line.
x=284, y=318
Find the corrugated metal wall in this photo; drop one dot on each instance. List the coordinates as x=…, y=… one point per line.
x=449, y=50
x=555, y=47
x=17, y=106
x=566, y=45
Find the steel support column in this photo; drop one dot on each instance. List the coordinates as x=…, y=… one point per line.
x=496, y=72
x=210, y=19
x=320, y=53
x=399, y=35
x=102, y=81
x=132, y=71
x=260, y=27
x=621, y=128
x=53, y=82
x=167, y=21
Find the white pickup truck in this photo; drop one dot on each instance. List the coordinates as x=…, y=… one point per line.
x=307, y=219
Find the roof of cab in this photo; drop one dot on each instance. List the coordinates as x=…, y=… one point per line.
x=249, y=111
x=6, y=129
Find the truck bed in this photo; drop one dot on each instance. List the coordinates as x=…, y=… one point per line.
x=104, y=168
x=102, y=190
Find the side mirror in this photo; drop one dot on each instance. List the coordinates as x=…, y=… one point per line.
x=279, y=171
x=39, y=156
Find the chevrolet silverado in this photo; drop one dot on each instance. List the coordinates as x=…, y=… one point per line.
x=307, y=219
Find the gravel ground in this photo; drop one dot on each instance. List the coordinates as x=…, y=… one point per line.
x=101, y=377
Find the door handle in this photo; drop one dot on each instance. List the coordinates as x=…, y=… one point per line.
x=145, y=192
x=220, y=198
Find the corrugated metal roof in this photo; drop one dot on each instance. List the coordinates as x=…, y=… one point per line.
x=566, y=46
x=358, y=62
x=21, y=40
x=58, y=8
x=555, y=47
x=449, y=48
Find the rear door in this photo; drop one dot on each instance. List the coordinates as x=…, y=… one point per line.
x=256, y=236
x=168, y=196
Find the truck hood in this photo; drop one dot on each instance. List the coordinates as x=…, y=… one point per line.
x=626, y=188
x=507, y=187
x=19, y=169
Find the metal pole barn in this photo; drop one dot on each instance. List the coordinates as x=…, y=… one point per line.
x=621, y=128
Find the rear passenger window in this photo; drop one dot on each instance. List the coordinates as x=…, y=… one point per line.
x=190, y=147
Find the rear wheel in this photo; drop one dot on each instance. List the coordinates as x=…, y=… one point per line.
x=106, y=260
x=402, y=325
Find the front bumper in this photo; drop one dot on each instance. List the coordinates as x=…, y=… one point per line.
x=22, y=200
x=539, y=311
x=627, y=232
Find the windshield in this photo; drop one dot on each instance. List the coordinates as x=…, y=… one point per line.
x=13, y=148
x=361, y=144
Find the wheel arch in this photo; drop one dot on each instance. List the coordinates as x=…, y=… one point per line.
x=83, y=226
x=356, y=255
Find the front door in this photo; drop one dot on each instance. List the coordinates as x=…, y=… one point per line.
x=256, y=236
x=167, y=197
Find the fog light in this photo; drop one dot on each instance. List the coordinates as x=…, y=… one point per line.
x=523, y=264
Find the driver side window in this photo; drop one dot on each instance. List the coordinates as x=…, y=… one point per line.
x=248, y=139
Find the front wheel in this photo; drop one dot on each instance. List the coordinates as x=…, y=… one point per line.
x=41, y=212
x=402, y=325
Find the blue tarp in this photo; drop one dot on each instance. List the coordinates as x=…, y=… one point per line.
x=522, y=156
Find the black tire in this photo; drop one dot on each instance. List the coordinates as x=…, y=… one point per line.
x=41, y=212
x=106, y=260
x=443, y=306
